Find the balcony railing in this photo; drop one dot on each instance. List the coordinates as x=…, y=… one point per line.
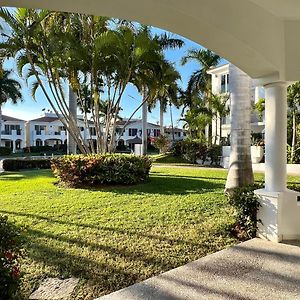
x=12, y=132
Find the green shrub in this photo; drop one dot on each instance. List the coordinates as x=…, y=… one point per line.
x=19, y=164
x=10, y=253
x=162, y=143
x=246, y=205
x=38, y=149
x=5, y=151
x=191, y=150
x=78, y=170
x=214, y=152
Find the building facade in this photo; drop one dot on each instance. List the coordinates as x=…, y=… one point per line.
x=12, y=133
x=220, y=78
x=48, y=130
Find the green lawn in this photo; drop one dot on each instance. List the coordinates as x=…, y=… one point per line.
x=114, y=237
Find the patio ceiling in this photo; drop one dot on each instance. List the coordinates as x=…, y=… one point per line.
x=259, y=36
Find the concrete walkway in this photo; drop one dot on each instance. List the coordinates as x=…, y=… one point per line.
x=255, y=269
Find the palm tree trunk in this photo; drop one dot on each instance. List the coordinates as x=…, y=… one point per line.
x=0, y=124
x=161, y=117
x=240, y=166
x=72, y=147
x=144, y=126
x=172, y=124
x=294, y=137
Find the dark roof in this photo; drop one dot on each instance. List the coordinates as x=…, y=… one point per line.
x=135, y=140
x=45, y=119
x=8, y=118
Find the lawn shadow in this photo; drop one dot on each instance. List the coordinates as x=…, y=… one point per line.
x=164, y=185
x=26, y=174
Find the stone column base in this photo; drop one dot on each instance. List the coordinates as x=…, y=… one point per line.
x=279, y=214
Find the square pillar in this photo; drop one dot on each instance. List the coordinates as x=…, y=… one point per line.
x=279, y=212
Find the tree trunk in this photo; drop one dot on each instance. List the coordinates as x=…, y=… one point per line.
x=220, y=130
x=240, y=166
x=294, y=137
x=161, y=118
x=172, y=124
x=71, y=146
x=0, y=125
x=144, y=127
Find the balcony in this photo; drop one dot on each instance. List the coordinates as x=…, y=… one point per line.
x=48, y=135
x=11, y=133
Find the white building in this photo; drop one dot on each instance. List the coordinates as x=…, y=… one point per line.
x=49, y=130
x=221, y=86
x=12, y=133
x=133, y=132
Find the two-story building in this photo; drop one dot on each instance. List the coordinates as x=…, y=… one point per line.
x=12, y=133
x=220, y=78
x=49, y=130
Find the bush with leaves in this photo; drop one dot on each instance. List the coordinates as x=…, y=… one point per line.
x=15, y=164
x=162, y=143
x=79, y=170
x=246, y=205
x=10, y=254
x=4, y=151
x=214, y=152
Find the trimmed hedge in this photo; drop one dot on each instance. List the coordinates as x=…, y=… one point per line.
x=19, y=164
x=78, y=170
x=5, y=151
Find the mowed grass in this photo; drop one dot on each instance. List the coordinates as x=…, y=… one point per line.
x=113, y=237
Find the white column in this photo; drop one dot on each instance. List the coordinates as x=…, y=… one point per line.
x=275, y=136
x=14, y=146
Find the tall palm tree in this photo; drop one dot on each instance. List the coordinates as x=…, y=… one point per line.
x=9, y=91
x=149, y=72
x=240, y=166
x=220, y=109
x=200, y=81
x=166, y=90
x=293, y=103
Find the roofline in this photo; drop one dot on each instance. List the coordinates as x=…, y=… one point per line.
x=218, y=69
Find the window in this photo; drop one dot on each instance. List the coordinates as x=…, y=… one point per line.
x=39, y=128
x=156, y=132
x=92, y=131
x=149, y=132
x=224, y=83
x=132, y=131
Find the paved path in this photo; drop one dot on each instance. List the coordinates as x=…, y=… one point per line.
x=252, y=270
x=292, y=169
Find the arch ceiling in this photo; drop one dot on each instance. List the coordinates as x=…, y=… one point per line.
x=259, y=36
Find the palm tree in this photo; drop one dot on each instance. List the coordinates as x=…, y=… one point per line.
x=240, y=166
x=9, y=91
x=148, y=74
x=200, y=81
x=220, y=109
x=293, y=103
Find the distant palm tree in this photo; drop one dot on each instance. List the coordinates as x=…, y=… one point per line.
x=200, y=81
x=293, y=103
x=9, y=91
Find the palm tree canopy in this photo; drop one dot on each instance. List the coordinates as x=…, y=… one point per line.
x=9, y=88
x=206, y=59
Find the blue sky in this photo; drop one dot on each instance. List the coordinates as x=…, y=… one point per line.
x=29, y=109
